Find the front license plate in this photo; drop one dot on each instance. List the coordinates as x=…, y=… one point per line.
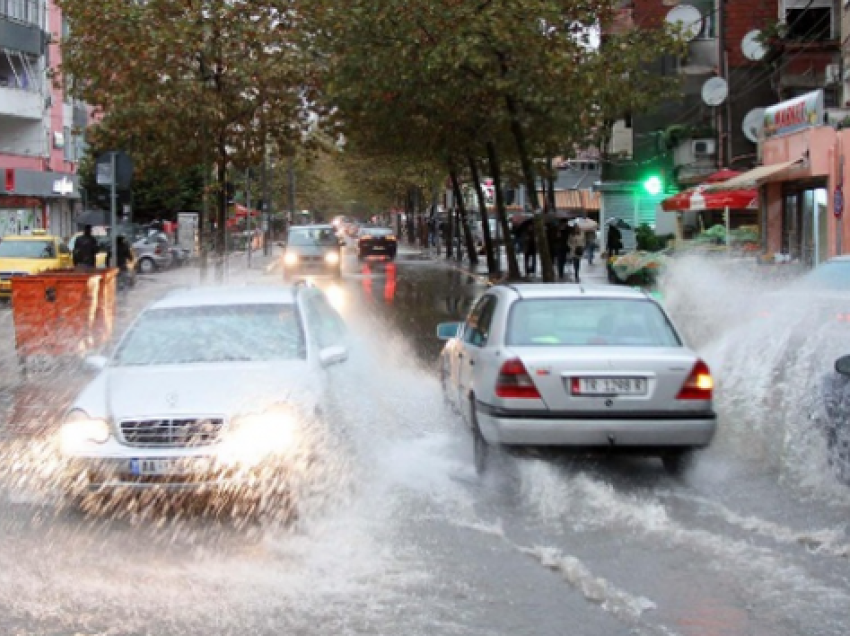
x=143, y=467
x=610, y=386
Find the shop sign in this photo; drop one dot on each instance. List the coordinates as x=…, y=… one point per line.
x=63, y=186
x=794, y=114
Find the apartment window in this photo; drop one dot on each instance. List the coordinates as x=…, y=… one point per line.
x=708, y=28
x=809, y=20
x=28, y=11
x=68, y=148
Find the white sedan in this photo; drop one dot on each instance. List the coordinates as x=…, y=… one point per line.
x=210, y=389
x=570, y=366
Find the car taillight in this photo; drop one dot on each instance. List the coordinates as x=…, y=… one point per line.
x=365, y=237
x=515, y=382
x=699, y=385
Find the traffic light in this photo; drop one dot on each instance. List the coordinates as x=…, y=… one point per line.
x=653, y=184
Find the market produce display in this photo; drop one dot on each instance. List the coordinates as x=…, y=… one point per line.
x=646, y=265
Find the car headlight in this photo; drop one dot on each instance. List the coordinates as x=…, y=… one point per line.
x=332, y=258
x=251, y=438
x=290, y=258
x=80, y=430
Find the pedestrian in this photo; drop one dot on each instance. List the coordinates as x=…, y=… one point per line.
x=576, y=242
x=529, y=249
x=562, y=247
x=590, y=246
x=615, y=239
x=85, y=249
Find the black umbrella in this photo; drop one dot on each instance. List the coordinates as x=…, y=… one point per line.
x=93, y=218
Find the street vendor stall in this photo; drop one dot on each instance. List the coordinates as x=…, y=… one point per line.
x=742, y=203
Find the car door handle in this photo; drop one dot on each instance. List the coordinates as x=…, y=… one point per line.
x=460, y=356
x=472, y=363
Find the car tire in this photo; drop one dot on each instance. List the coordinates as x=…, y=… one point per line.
x=481, y=450
x=147, y=266
x=677, y=463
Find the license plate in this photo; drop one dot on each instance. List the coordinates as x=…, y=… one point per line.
x=378, y=247
x=143, y=467
x=610, y=386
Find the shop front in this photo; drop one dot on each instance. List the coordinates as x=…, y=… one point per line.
x=33, y=200
x=800, y=184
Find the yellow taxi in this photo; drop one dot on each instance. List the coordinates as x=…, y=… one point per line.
x=31, y=254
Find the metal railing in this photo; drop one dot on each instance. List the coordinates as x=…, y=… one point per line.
x=24, y=11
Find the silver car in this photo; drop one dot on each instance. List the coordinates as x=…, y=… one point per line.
x=153, y=253
x=312, y=250
x=580, y=367
x=211, y=389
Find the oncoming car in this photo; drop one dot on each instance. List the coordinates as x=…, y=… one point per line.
x=576, y=367
x=212, y=388
x=312, y=250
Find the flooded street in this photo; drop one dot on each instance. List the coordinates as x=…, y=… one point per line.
x=754, y=541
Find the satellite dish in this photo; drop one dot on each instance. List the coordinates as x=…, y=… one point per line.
x=753, y=124
x=752, y=48
x=686, y=18
x=715, y=91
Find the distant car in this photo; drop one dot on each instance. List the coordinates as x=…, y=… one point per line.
x=568, y=366
x=31, y=254
x=211, y=390
x=153, y=253
x=376, y=241
x=312, y=250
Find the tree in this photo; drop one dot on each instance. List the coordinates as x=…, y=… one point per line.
x=191, y=82
x=442, y=79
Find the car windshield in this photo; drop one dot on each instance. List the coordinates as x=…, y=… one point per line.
x=27, y=249
x=313, y=236
x=219, y=333
x=835, y=275
x=590, y=322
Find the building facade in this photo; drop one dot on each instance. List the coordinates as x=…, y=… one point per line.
x=742, y=57
x=39, y=124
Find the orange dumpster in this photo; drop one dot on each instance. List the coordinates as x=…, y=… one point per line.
x=62, y=313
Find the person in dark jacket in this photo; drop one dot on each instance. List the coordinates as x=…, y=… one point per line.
x=562, y=247
x=615, y=240
x=85, y=249
x=529, y=249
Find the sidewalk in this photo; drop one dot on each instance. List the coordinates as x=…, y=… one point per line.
x=595, y=274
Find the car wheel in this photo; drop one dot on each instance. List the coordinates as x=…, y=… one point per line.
x=147, y=266
x=677, y=463
x=481, y=450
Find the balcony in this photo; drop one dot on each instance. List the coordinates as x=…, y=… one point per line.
x=21, y=104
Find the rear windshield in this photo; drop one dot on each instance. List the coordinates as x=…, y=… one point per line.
x=376, y=231
x=313, y=237
x=590, y=322
x=27, y=249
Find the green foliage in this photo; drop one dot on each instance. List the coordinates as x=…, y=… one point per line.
x=648, y=240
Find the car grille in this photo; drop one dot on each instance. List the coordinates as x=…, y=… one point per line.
x=172, y=433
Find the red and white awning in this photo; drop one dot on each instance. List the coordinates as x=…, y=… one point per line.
x=709, y=197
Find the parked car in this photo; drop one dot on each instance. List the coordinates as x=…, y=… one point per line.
x=312, y=250
x=211, y=390
x=153, y=253
x=832, y=407
x=567, y=366
x=31, y=254
x=376, y=241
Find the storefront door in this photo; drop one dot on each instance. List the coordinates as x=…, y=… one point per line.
x=804, y=223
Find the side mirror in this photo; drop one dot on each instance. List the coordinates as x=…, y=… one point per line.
x=333, y=355
x=842, y=365
x=96, y=362
x=447, y=330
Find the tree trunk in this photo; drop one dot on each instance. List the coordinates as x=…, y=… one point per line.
x=450, y=231
x=550, y=191
x=502, y=212
x=464, y=221
x=221, y=212
x=546, y=268
x=493, y=268
x=203, y=225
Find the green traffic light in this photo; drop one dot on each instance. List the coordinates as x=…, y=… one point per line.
x=652, y=185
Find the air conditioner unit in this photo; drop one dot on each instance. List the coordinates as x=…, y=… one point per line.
x=832, y=74
x=703, y=148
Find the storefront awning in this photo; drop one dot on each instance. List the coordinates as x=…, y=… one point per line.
x=754, y=178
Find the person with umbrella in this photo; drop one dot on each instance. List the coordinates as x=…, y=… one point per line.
x=576, y=243
x=615, y=238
